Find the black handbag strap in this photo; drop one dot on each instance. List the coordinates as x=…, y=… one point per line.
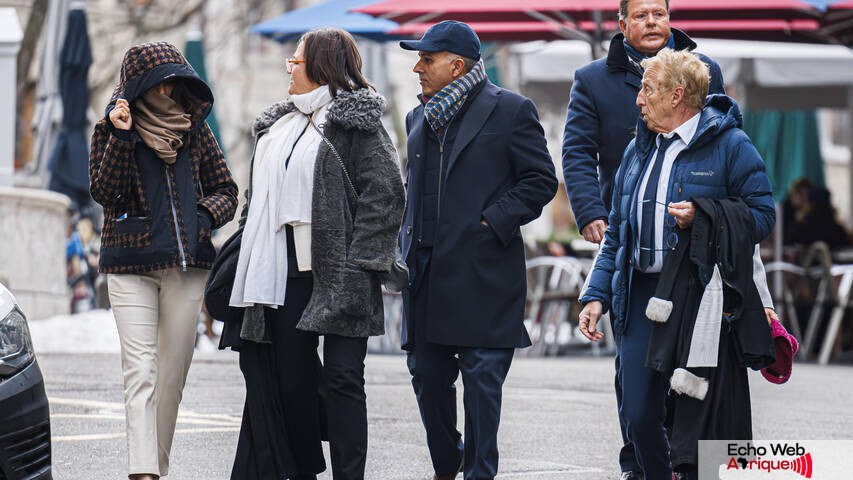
x=399, y=274
x=292, y=148
x=337, y=155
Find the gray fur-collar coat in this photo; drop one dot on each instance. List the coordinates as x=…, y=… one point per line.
x=353, y=237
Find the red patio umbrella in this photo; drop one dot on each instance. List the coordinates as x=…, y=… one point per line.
x=838, y=22
x=489, y=11
x=771, y=30
x=503, y=31
x=767, y=30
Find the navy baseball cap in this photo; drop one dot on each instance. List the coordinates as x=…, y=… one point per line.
x=447, y=36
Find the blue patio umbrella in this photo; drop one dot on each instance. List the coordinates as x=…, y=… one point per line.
x=821, y=4
x=333, y=13
x=69, y=161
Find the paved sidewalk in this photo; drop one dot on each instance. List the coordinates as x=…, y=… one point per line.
x=559, y=420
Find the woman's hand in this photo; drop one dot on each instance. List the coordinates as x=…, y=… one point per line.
x=120, y=115
x=683, y=213
x=588, y=319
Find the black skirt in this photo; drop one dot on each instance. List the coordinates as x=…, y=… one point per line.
x=282, y=420
x=724, y=414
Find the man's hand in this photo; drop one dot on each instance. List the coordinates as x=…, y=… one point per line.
x=120, y=115
x=594, y=231
x=588, y=319
x=771, y=315
x=683, y=213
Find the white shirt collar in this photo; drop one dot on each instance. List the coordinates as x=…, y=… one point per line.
x=686, y=130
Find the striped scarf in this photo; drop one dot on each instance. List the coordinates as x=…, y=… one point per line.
x=444, y=104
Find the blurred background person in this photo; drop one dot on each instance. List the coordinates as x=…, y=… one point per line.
x=810, y=217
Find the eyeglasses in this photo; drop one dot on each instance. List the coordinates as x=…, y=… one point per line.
x=291, y=61
x=670, y=239
x=670, y=242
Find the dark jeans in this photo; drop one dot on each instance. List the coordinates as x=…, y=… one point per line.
x=627, y=458
x=644, y=391
x=345, y=402
x=434, y=370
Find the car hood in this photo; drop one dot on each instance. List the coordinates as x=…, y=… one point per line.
x=7, y=301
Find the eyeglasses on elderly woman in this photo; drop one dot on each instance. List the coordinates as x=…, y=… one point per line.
x=291, y=61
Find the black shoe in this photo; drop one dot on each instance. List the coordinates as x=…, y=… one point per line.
x=453, y=476
x=631, y=476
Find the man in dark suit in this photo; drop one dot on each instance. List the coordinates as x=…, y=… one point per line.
x=478, y=169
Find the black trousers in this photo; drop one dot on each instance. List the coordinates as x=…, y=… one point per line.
x=345, y=403
x=724, y=414
x=280, y=436
x=435, y=369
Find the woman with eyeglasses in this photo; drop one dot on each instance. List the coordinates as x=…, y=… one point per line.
x=321, y=223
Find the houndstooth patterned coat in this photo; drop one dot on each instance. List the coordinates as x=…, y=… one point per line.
x=156, y=215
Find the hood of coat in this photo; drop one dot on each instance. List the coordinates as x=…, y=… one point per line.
x=359, y=109
x=149, y=64
x=721, y=113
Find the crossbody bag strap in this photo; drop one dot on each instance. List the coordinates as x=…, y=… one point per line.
x=337, y=155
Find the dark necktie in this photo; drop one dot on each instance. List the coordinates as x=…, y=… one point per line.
x=647, y=238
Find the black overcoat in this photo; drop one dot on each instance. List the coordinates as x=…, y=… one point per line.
x=499, y=169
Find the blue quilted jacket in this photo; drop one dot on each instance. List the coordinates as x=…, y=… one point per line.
x=719, y=162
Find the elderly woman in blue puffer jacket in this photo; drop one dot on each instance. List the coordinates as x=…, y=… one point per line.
x=688, y=144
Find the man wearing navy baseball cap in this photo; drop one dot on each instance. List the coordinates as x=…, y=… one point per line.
x=478, y=169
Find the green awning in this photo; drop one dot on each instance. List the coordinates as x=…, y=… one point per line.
x=490, y=61
x=788, y=142
x=194, y=53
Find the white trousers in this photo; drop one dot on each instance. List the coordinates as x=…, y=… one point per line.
x=156, y=314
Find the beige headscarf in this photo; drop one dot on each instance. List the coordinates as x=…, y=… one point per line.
x=161, y=123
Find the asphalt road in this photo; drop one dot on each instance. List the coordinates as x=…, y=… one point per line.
x=559, y=417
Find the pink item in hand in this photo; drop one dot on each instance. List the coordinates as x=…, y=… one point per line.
x=786, y=347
